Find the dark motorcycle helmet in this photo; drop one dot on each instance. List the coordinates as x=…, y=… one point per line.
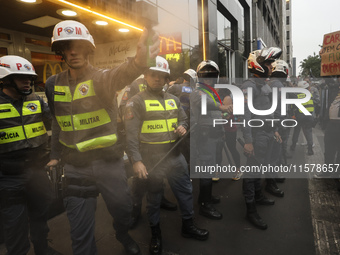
x=208, y=69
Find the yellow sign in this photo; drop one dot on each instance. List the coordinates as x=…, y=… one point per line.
x=53, y=70
x=170, y=43
x=176, y=56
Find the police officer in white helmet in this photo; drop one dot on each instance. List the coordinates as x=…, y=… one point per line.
x=25, y=191
x=154, y=120
x=84, y=133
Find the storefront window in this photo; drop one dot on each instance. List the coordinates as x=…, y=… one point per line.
x=3, y=51
x=224, y=44
x=45, y=66
x=37, y=42
x=223, y=30
x=223, y=62
x=241, y=31
x=4, y=36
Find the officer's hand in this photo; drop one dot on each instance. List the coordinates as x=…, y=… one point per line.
x=249, y=149
x=225, y=108
x=141, y=55
x=277, y=137
x=180, y=130
x=230, y=109
x=53, y=162
x=139, y=170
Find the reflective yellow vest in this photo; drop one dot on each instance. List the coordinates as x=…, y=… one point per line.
x=157, y=126
x=21, y=130
x=308, y=105
x=85, y=124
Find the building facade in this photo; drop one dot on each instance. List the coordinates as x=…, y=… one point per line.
x=225, y=31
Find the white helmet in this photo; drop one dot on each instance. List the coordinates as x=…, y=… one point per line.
x=162, y=65
x=11, y=64
x=303, y=84
x=192, y=73
x=280, y=66
x=70, y=30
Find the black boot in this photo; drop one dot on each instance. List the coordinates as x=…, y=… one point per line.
x=261, y=199
x=135, y=215
x=209, y=211
x=189, y=230
x=273, y=189
x=310, y=150
x=130, y=246
x=167, y=205
x=156, y=240
x=292, y=147
x=213, y=200
x=254, y=218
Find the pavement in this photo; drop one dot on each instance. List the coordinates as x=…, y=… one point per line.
x=304, y=222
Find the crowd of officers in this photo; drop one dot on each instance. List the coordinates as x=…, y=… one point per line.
x=90, y=133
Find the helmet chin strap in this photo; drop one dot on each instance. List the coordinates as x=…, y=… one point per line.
x=25, y=93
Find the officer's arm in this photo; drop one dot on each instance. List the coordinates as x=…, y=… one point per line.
x=49, y=86
x=212, y=106
x=46, y=113
x=56, y=146
x=183, y=119
x=133, y=121
x=130, y=70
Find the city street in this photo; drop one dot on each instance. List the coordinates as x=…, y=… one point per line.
x=304, y=222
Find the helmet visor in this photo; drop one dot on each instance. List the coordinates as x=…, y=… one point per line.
x=207, y=75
